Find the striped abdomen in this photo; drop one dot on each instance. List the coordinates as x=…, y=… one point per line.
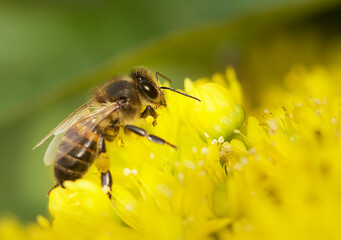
x=76, y=152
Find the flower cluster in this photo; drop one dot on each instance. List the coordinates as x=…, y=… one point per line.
x=287, y=185
x=275, y=177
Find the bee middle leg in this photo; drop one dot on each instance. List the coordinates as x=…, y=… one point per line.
x=150, y=137
x=103, y=164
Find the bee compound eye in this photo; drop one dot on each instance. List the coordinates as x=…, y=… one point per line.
x=149, y=89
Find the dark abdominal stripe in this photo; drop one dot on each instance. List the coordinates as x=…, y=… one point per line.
x=76, y=153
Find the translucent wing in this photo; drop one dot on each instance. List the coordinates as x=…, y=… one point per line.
x=90, y=120
x=52, y=149
x=67, y=122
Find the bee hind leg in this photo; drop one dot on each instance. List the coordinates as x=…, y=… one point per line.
x=150, y=137
x=56, y=185
x=102, y=163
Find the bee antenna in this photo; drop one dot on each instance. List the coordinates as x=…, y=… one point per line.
x=158, y=74
x=181, y=93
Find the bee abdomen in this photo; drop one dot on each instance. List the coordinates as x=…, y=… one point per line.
x=70, y=162
x=76, y=153
x=62, y=174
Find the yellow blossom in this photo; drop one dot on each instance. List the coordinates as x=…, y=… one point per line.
x=290, y=184
x=276, y=178
x=158, y=192
x=220, y=111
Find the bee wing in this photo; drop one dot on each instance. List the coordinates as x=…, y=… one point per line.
x=91, y=120
x=52, y=149
x=67, y=122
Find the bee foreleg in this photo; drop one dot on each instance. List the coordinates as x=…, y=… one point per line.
x=149, y=111
x=144, y=133
x=103, y=164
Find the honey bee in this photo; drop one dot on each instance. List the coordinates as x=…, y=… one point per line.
x=80, y=139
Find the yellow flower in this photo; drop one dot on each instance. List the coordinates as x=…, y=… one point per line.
x=276, y=178
x=220, y=112
x=158, y=192
x=288, y=185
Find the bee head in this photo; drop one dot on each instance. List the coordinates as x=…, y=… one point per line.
x=148, y=87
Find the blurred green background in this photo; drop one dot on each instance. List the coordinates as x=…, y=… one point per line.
x=53, y=52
